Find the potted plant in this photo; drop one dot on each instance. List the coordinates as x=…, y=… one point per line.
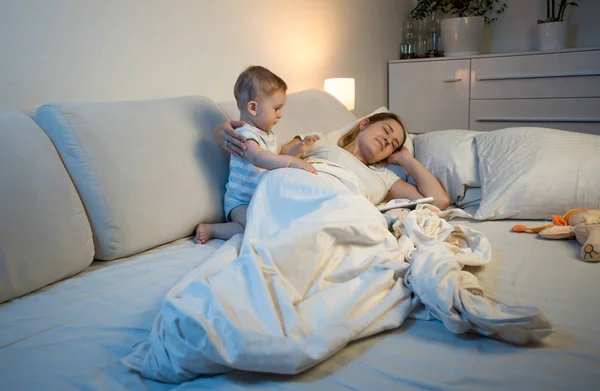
x=552, y=31
x=462, y=28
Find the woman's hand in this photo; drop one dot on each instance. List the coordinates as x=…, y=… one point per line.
x=401, y=157
x=229, y=139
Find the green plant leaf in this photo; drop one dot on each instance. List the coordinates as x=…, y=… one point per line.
x=459, y=8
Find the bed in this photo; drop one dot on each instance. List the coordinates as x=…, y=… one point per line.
x=73, y=334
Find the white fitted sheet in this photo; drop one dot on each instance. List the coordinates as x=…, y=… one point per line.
x=73, y=335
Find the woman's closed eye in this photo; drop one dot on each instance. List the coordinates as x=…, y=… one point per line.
x=395, y=143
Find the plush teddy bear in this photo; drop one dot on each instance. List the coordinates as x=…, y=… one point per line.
x=583, y=224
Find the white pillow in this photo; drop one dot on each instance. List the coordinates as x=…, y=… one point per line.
x=334, y=137
x=451, y=156
x=472, y=198
x=532, y=173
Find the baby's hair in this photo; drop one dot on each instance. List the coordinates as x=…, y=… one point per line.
x=352, y=134
x=254, y=80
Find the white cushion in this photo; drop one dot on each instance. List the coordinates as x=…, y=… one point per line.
x=533, y=173
x=308, y=111
x=45, y=235
x=451, y=156
x=147, y=171
x=335, y=135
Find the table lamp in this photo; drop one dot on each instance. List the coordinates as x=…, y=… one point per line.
x=342, y=89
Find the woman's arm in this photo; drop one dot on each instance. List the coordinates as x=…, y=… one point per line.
x=427, y=184
x=288, y=149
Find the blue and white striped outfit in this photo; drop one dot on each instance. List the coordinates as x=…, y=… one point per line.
x=243, y=175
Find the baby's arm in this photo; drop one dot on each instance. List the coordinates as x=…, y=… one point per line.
x=298, y=147
x=270, y=161
x=289, y=147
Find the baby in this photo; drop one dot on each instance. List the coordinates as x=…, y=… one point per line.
x=260, y=96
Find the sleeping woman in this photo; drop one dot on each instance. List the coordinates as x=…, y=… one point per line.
x=376, y=139
x=317, y=268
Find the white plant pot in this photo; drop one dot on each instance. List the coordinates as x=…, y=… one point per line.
x=462, y=36
x=552, y=35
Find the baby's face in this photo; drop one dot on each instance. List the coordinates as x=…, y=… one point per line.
x=269, y=110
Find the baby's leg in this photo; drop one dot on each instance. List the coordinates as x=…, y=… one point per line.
x=224, y=231
x=238, y=215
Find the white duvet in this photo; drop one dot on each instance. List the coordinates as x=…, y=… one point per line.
x=316, y=269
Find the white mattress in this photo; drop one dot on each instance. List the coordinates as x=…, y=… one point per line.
x=73, y=335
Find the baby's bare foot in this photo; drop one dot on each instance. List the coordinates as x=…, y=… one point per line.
x=203, y=233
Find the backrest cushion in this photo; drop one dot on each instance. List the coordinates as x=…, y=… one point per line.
x=308, y=111
x=45, y=235
x=147, y=171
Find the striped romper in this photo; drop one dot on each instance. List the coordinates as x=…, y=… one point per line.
x=243, y=175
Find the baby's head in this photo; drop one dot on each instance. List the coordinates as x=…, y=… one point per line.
x=260, y=96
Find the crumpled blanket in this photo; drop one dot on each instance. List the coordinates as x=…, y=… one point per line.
x=316, y=269
x=437, y=252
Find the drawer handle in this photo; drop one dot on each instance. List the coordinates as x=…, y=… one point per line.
x=540, y=119
x=539, y=76
x=453, y=80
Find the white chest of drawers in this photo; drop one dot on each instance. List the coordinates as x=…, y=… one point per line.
x=548, y=89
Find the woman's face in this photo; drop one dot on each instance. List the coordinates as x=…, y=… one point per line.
x=378, y=140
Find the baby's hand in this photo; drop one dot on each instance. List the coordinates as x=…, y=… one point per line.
x=299, y=163
x=308, y=142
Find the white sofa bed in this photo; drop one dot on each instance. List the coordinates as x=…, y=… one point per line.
x=98, y=202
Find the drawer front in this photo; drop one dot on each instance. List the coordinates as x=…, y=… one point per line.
x=430, y=95
x=578, y=115
x=559, y=75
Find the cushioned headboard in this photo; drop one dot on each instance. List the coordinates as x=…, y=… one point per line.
x=305, y=111
x=147, y=171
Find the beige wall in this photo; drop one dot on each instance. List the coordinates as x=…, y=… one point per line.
x=92, y=50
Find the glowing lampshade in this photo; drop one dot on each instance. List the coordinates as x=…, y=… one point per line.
x=342, y=89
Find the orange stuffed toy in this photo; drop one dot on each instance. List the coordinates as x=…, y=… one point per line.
x=583, y=224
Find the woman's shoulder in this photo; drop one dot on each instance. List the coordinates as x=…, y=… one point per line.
x=379, y=167
x=385, y=173
x=323, y=151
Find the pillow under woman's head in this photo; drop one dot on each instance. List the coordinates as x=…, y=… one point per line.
x=451, y=156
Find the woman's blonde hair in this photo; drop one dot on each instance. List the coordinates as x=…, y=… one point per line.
x=352, y=134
